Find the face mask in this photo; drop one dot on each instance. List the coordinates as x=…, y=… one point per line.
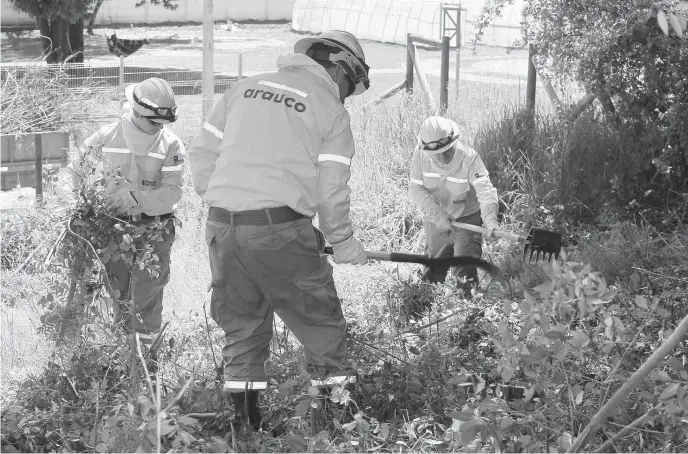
x=140, y=142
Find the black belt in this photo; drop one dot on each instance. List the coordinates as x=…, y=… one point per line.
x=146, y=217
x=254, y=217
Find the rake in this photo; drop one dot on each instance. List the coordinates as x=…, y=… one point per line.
x=462, y=261
x=538, y=241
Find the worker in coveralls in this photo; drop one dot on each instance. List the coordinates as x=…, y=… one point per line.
x=150, y=158
x=275, y=151
x=449, y=182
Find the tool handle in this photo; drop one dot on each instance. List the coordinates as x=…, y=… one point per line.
x=483, y=230
x=386, y=256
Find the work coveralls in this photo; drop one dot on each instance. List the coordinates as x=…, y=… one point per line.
x=465, y=193
x=280, y=140
x=155, y=180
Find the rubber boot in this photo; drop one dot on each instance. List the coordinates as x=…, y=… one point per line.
x=246, y=409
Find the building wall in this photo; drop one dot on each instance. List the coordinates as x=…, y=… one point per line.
x=123, y=11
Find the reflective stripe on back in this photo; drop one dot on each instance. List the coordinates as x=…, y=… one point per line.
x=156, y=155
x=213, y=130
x=431, y=175
x=457, y=180
x=296, y=91
x=172, y=168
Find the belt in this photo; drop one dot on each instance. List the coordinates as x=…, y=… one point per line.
x=265, y=216
x=146, y=217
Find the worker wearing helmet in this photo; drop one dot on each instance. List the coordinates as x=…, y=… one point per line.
x=449, y=182
x=143, y=162
x=275, y=151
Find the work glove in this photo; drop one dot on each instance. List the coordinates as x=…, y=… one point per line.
x=443, y=221
x=350, y=251
x=491, y=225
x=121, y=202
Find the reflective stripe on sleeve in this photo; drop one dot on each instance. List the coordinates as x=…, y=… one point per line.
x=335, y=158
x=116, y=150
x=414, y=181
x=176, y=168
x=213, y=130
x=296, y=91
x=481, y=180
x=431, y=175
x=236, y=385
x=457, y=180
x=156, y=155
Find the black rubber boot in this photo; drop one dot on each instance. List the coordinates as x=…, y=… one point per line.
x=246, y=409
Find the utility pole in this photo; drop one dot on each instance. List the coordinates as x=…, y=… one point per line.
x=208, y=67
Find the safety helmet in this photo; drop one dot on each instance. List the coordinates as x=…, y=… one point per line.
x=153, y=99
x=338, y=46
x=438, y=134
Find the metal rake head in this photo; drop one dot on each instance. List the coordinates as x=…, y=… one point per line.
x=543, y=242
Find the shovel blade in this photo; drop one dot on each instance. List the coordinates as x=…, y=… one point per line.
x=543, y=242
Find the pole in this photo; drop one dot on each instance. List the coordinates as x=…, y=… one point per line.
x=530, y=90
x=38, y=138
x=410, y=54
x=444, y=75
x=458, y=53
x=240, y=67
x=121, y=70
x=208, y=73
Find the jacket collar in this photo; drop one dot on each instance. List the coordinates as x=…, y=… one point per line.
x=303, y=62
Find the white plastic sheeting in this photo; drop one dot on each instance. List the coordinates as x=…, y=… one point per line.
x=389, y=21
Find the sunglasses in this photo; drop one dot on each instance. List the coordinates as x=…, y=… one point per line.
x=437, y=144
x=161, y=113
x=356, y=69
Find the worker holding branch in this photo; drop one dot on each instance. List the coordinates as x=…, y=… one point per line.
x=143, y=163
x=449, y=182
x=275, y=151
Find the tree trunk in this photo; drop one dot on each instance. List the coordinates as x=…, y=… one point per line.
x=46, y=39
x=63, y=42
x=92, y=19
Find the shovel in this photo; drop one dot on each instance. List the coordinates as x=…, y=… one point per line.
x=461, y=261
x=538, y=241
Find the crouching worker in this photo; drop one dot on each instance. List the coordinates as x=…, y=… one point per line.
x=449, y=182
x=142, y=161
x=275, y=151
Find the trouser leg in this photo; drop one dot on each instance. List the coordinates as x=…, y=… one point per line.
x=149, y=289
x=436, y=245
x=298, y=281
x=240, y=308
x=468, y=244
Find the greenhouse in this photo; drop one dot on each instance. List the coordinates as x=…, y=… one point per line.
x=389, y=21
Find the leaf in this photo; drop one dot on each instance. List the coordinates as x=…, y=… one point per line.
x=348, y=427
x=111, y=422
x=101, y=447
x=505, y=423
x=555, y=334
x=313, y=391
x=188, y=421
x=470, y=429
x=670, y=391
x=662, y=21
x=683, y=23
x=565, y=440
x=530, y=393
x=384, y=430
x=683, y=6
x=506, y=307
x=675, y=24
x=641, y=301
x=580, y=339
x=609, y=295
x=545, y=288
x=660, y=375
x=462, y=415
x=507, y=373
x=302, y=408
x=579, y=397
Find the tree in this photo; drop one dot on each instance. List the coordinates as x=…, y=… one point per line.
x=61, y=23
x=631, y=54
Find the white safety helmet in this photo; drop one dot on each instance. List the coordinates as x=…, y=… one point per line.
x=437, y=135
x=153, y=99
x=338, y=46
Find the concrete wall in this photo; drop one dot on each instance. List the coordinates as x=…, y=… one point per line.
x=124, y=12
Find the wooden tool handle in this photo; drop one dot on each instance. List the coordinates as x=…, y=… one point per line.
x=483, y=230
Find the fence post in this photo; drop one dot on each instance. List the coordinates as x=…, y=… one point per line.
x=38, y=164
x=240, y=67
x=208, y=67
x=530, y=89
x=410, y=54
x=121, y=70
x=444, y=75
x=458, y=53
